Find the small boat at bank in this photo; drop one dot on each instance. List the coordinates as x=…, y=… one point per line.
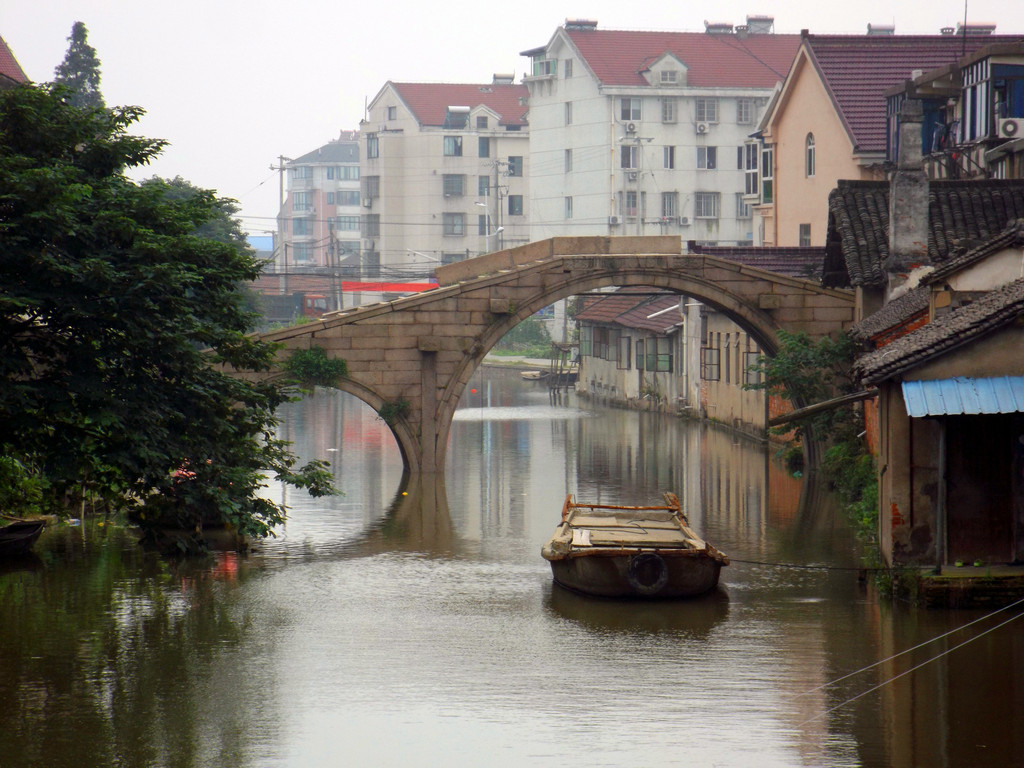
x=17, y=538
x=619, y=551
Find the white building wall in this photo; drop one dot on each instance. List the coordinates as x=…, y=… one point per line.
x=412, y=204
x=597, y=183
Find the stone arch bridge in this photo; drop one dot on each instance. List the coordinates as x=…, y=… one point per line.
x=423, y=349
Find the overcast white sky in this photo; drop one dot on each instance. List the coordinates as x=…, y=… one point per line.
x=233, y=84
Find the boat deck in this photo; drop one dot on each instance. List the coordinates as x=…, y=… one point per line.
x=630, y=531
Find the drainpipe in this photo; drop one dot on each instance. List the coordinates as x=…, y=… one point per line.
x=941, y=548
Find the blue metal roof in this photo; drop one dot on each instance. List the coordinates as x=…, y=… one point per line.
x=961, y=395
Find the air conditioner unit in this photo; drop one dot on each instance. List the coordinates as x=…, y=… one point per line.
x=684, y=221
x=703, y=127
x=613, y=221
x=1011, y=127
x=368, y=202
x=630, y=127
x=631, y=175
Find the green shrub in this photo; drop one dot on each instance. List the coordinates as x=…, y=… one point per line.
x=393, y=410
x=312, y=367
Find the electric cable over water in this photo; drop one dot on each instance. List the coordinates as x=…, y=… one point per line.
x=915, y=667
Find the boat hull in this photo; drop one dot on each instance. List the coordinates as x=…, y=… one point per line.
x=641, y=574
x=18, y=537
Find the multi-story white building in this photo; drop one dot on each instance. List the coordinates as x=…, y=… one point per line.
x=646, y=133
x=318, y=224
x=444, y=174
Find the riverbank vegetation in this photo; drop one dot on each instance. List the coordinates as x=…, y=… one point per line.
x=121, y=317
x=809, y=371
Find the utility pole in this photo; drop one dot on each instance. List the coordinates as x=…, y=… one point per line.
x=280, y=167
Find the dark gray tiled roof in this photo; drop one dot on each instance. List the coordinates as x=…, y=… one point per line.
x=961, y=214
x=961, y=326
x=892, y=314
x=335, y=152
x=1012, y=236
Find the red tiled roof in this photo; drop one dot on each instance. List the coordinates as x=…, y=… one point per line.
x=858, y=69
x=631, y=310
x=429, y=102
x=756, y=61
x=9, y=66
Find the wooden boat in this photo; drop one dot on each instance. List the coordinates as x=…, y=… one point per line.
x=18, y=537
x=617, y=551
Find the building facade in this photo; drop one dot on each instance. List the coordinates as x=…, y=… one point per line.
x=318, y=224
x=445, y=174
x=644, y=133
x=829, y=121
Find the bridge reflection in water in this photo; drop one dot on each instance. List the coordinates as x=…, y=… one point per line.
x=772, y=638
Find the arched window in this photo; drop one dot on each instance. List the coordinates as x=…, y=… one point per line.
x=809, y=154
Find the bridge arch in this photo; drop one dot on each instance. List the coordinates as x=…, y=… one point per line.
x=424, y=349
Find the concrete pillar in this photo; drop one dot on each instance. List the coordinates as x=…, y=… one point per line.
x=428, y=412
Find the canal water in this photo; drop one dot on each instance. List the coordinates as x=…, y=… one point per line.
x=409, y=625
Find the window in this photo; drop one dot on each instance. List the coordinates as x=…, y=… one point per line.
x=515, y=205
x=629, y=202
x=767, y=171
x=543, y=67
x=743, y=209
x=805, y=235
x=302, y=201
x=568, y=113
x=568, y=207
x=372, y=146
x=710, y=364
x=483, y=146
x=454, y=185
x=347, y=197
x=481, y=224
x=629, y=109
x=659, y=354
x=669, y=157
x=629, y=155
x=392, y=113
x=371, y=186
x=705, y=205
x=302, y=227
x=745, y=111
x=809, y=155
x=586, y=340
x=567, y=68
x=333, y=172
x=750, y=168
x=752, y=368
x=623, y=357
x=481, y=122
x=483, y=186
x=669, y=77
x=371, y=225
x=302, y=252
x=669, y=205
x=330, y=198
x=455, y=224
x=302, y=172
x=568, y=160
x=348, y=223
x=515, y=165
x=669, y=110
x=453, y=146
x=707, y=158
x=707, y=110
x=349, y=172
x=639, y=354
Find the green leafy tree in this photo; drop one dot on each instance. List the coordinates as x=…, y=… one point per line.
x=118, y=323
x=80, y=70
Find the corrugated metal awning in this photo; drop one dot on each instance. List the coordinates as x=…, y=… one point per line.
x=961, y=395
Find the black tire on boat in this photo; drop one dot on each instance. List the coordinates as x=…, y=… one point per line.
x=647, y=573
